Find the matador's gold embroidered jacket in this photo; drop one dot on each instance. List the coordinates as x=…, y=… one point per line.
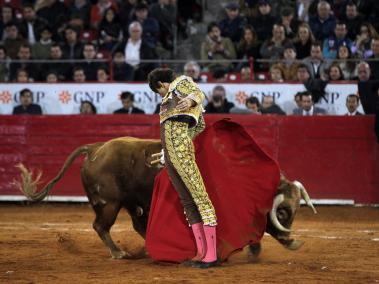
x=184, y=87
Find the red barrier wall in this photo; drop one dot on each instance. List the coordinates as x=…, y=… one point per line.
x=335, y=157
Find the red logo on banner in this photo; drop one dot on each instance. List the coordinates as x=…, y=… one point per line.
x=241, y=97
x=65, y=97
x=5, y=97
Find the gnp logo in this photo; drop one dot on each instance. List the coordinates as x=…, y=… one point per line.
x=5, y=97
x=64, y=97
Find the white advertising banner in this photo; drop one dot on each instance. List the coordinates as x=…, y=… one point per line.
x=66, y=98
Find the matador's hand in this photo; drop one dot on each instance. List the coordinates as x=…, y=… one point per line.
x=185, y=104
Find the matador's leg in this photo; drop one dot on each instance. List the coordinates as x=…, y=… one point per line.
x=180, y=153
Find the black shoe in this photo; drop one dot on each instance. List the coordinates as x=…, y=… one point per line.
x=204, y=265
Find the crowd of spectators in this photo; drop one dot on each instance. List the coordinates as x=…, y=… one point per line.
x=43, y=37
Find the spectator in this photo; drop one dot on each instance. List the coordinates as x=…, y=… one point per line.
x=314, y=86
x=268, y=106
x=7, y=16
x=98, y=11
x=245, y=74
x=323, y=24
x=53, y=12
x=335, y=73
x=273, y=48
x=297, y=99
x=370, y=10
x=79, y=14
x=87, y=107
x=62, y=69
x=165, y=13
x=289, y=22
x=72, y=47
x=253, y=105
x=248, y=47
x=232, y=26
x=31, y=25
x=347, y=65
x=307, y=106
x=333, y=42
x=12, y=39
x=102, y=75
x=109, y=32
x=26, y=104
x=352, y=104
x=289, y=64
x=78, y=75
x=316, y=63
x=41, y=49
x=303, y=41
x=127, y=99
x=150, y=26
x=4, y=66
x=364, y=71
x=367, y=88
x=264, y=21
x=362, y=44
x=127, y=7
x=24, y=56
x=135, y=50
x=90, y=66
x=192, y=69
x=52, y=77
x=215, y=47
x=374, y=63
x=218, y=102
x=352, y=19
x=276, y=74
x=22, y=76
x=121, y=70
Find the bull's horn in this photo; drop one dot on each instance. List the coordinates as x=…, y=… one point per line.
x=274, y=219
x=305, y=195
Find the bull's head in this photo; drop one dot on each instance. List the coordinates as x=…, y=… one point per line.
x=285, y=205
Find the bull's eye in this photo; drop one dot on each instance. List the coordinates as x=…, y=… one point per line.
x=139, y=211
x=282, y=215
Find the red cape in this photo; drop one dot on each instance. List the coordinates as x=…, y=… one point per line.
x=241, y=180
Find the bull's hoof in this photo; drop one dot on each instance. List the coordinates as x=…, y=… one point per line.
x=120, y=254
x=254, y=252
x=295, y=245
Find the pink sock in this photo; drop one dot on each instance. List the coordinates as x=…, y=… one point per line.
x=201, y=244
x=210, y=236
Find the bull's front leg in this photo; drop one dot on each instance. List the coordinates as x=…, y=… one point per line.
x=254, y=252
x=106, y=214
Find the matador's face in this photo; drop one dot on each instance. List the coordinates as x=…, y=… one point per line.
x=163, y=88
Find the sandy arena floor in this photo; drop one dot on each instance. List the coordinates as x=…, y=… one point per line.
x=55, y=243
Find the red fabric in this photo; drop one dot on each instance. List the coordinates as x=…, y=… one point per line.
x=241, y=180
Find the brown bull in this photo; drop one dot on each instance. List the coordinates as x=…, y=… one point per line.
x=118, y=174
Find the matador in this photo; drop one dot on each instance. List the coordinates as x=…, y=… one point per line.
x=181, y=119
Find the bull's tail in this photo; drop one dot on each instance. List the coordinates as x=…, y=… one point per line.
x=28, y=183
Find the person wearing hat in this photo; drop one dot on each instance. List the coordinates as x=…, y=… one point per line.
x=41, y=49
x=264, y=21
x=232, y=26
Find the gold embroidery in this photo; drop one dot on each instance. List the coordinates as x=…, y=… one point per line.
x=182, y=155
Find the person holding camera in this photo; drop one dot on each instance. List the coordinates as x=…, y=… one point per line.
x=217, y=49
x=218, y=102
